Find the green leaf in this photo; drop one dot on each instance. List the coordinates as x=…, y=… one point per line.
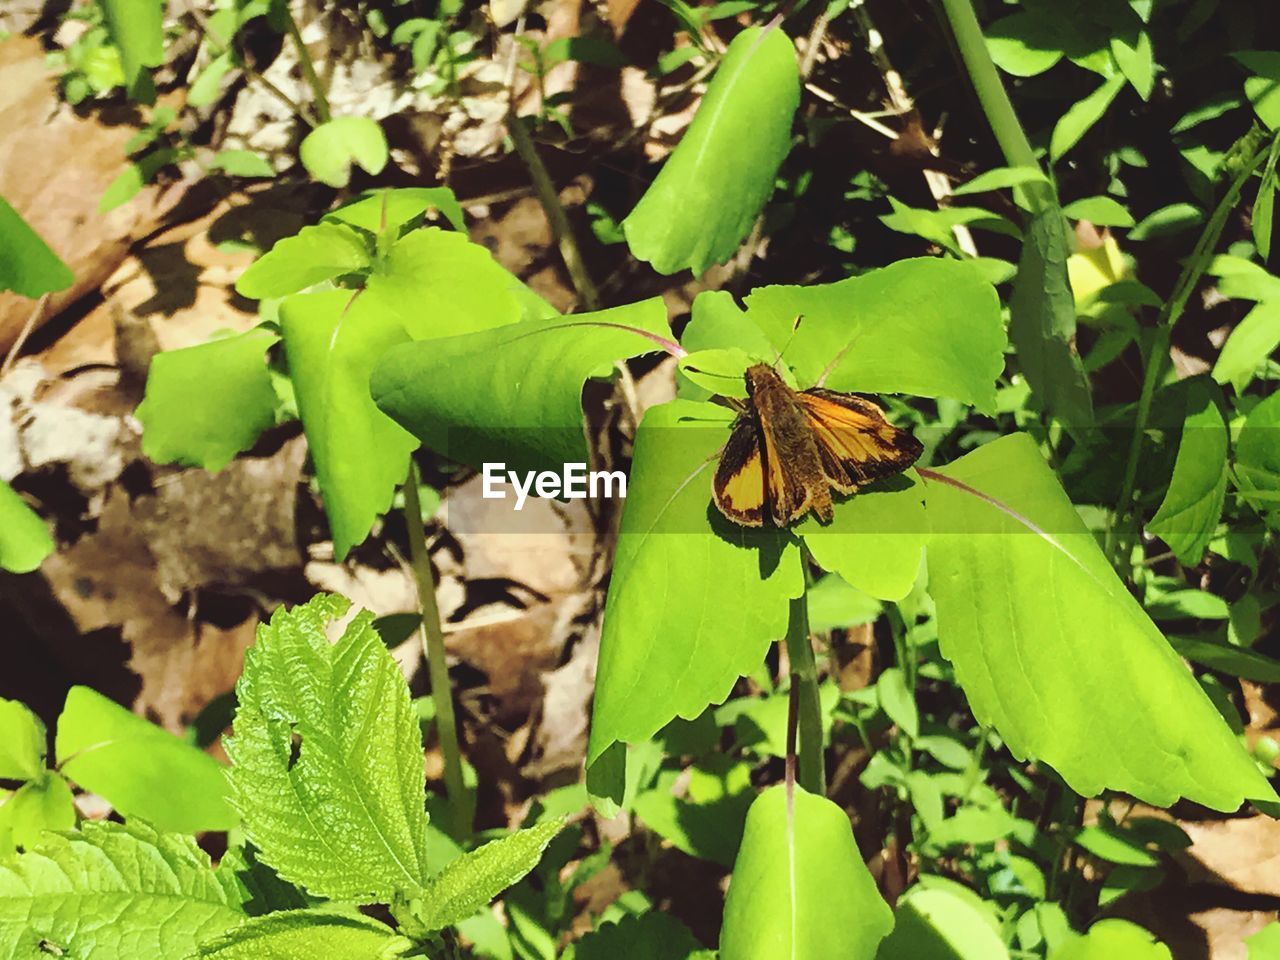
x=1109, y=939
x=111, y=892
x=926, y=327
x=327, y=757
x=1042, y=323
x=1116, y=846
x=876, y=538
x=1252, y=341
x=898, y=702
x=206, y=87
x=1075, y=123
x=1001, y=178
x=137, y=29
x=332, y=341
x=39, y=805
x=938, y=924
x=1263, y=88
x=1192, y=506
x=1228, y=659
x=27, y=265
x=472, y=880
x=316, y=253
x=800, y=890
x=242, y=163
x=1265, y=944
x=207, y=403
x=1167, y=221
x=654, y=936
x=937, y=226
x=706, y=198
x=141, y=769
x=1100, y=211
x=398, y=207
x=1264, y=206
x=694, y=601
x=24, y=539
x=707, y=820
x=1031, y=614
x=305, y=935
x=718, y=371
x=835, y=603
x=512, y=394
x=22, y=742
x=330, y=149
x=1136, y=60
x=1257, y=468
x=1024, y=44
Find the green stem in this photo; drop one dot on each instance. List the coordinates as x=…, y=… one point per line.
x=308, y=66
x=561, y=231
x=433, y=650
x=804, y=682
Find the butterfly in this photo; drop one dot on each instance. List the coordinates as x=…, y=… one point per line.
x=788, y=449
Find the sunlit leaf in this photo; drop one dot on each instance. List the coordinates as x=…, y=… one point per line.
x=330, y=149
x=27, y=265
x=24, y=538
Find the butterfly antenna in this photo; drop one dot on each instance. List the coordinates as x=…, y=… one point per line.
x=795, y=325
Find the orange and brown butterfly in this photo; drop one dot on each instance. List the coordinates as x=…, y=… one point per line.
x=788, y=449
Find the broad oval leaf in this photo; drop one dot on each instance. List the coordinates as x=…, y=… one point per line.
x=937, y=924
x=320, y=252
x=707, y=196
x=24, y=539
x=1109, y=939
x=27, y=265
x=37, y=806
x=327, y=758
x=71, y=893
x=1026, y=43
x=800, y=890
x=926, y=327
x=694, y=601
x=330, y=149
x=1253, y=340
x=207, y=403
x=142, y=770
x=1054, y=652
x=305, y=935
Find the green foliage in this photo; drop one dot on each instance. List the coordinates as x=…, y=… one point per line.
x=1112, y=938
x=329, y=150
x=207, y=403
x=800, y=890
x=137, y=30
x=112, y=892
x=935, y=923
x=22, y=742
x=1257, y=467
x=653, y=935
x=314, y=254
x=304, y=934
x=27, y=265
x=24, y=538
x=327, y=758
x=142, y=770
x=706, y=198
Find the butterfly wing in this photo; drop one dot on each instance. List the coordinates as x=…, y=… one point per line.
x=856, y=443
x=739, y=482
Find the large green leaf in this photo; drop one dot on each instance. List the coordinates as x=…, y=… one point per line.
x=316, y=253
x=800, y=890
x=142, y=770
x=934, y=923
x=1042, y=321
x=27, y=265
x=22, y=742
x=1257, y=467
x=24, y=539
x=327, y=757
x=1192, y=506
x=926, y=327
x=1111, y=939
x=306, y=935
x=332, y=341
x=513, y=394
x=1054, y=652
x=111, y=892
x=705, y=200
x=137, y=29
x=694, y=601
x=207, y=403
x=469, y=882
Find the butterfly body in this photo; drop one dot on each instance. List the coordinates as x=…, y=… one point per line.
x=789, y=449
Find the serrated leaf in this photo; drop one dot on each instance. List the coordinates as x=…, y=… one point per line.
x=1252, y=341
x=740, y=136
x=1042, y=324
x=1081, y=116
x=27, y=265
x=345, y=818
x=111, y=892
x=330, y=149
x=1108, y=939
x=24, y=538
x=654, y=936
x=1031, y=613
x=320, y=252
x=926, y=327
x=141, y=769
x=512, y=394
x=380, y=210
x=1192, y=507
x=723, y=589
x=332, y=341
x=475, y=878
x=306, y=935
x=22, y=742
x=207, y=403
x=800, y=890
x=937, y=924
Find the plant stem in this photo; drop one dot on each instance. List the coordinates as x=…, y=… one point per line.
x=991, y=94
x=561, y=231
x=308, y=66
x=804, y=683
x=433, y=650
